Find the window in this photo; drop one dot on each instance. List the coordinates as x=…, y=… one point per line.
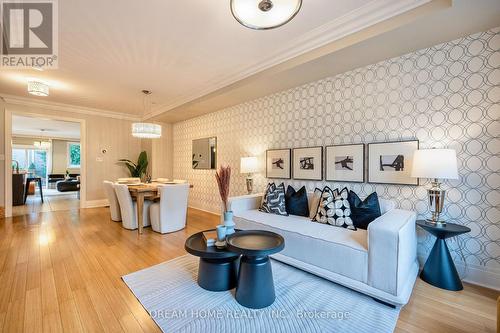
x=32, y=160
x=73, y=155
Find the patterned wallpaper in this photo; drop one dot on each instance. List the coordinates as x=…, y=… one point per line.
x=445, y=96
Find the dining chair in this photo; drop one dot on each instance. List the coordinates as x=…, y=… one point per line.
x=128, y=208
x=169, y=214
x=114, y=206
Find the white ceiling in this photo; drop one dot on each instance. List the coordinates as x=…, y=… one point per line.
x=181, y=50
x=44, y=128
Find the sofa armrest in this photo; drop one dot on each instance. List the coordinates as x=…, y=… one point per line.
x=392, y=250
x=244, y=202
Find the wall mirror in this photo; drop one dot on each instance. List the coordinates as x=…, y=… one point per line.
x=204, y=153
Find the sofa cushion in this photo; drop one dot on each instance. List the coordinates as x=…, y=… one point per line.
x=274, y=202
x=334, y=209
x=296, y=201
x=338, y=250
x=313, y=199
x=363, y=212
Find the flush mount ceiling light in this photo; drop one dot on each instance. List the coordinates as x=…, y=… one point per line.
x=146, y=130
x=264, y=14
x=41, y=144
x=38, y=88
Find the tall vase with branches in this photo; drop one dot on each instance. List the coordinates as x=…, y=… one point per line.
x=223, y=177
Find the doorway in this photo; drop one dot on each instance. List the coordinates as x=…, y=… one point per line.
x=45, y=168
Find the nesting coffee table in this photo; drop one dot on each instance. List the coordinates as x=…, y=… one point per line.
x=218, y=268
x=249, y=250
x=255, y=287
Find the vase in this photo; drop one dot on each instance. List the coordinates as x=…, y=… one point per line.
x=228, y=222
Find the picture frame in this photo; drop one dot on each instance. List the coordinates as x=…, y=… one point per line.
x=391, y=162
x=308, y=163
x=345, y=163
x=278, y=163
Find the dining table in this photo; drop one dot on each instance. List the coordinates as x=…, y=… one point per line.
x=143, y=191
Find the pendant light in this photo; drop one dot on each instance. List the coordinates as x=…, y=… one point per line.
x=146, y=130
x=264, y=14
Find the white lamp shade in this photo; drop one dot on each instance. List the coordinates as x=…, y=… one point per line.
x=435, y=164
x=259, y=15
x=249, y=165
x=146, y=130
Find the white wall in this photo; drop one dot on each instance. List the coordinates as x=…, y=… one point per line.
x=445, y=96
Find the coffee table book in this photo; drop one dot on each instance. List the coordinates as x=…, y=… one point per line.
x=210, y=237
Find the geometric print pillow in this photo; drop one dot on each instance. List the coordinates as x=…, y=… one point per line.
x=274, y=200
x=334, y=209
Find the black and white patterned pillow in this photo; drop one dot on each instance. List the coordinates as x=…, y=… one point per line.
x=270, y=187
x=334, y=209
x=274, y=202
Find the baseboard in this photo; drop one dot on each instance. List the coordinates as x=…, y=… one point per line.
x=475, y=274
x=482, y=276
x=2, y=212
x=204, y=210
x=96, y=203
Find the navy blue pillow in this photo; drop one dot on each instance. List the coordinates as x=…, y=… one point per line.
x=296, y=201
x=363, y=212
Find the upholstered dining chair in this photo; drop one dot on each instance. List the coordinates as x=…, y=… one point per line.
x=114, y=206
x=169, y=214
x=128, y=208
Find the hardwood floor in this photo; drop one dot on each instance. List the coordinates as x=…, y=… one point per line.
x=60, y=271
x=52, y=203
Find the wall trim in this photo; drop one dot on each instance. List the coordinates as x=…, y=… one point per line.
x=96, y=203
x=204, y=210
x=31, y=102
x=481, y=276
x=361, y=18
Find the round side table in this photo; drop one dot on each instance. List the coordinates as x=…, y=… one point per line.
x=439, y=269
x=218, y=268
x=255, y=287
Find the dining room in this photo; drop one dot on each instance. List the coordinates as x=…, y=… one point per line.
x=160, y=203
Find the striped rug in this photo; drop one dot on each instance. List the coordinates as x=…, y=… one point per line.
x=304, y=303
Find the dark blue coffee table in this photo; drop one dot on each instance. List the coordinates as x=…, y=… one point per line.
x=255, y=288
x=218, y=268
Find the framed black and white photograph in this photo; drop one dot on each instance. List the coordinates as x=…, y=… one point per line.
x=345, y=163
x=308, y=163
x=390, y=162
x=278, y=163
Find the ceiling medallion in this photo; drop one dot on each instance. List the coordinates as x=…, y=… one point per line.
x=264, y=14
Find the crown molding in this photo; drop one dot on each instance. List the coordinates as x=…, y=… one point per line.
x=372, y=13
x=54, y=106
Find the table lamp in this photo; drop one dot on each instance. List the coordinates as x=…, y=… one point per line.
x=249, y=165
x=435, y=164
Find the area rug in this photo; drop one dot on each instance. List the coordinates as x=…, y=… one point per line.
x=304, y=303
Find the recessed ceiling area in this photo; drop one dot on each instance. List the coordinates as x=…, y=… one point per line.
x=181, y=50
x=440, y=23
x=44, y=128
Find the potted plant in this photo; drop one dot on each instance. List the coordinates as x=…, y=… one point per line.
x=137, y=169
x=223, y=177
